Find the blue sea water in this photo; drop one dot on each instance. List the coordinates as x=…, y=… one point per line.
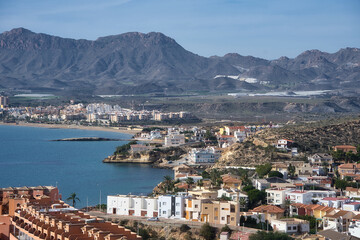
x=28, y=157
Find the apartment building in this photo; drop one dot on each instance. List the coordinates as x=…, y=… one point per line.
x=277, y=196
x=171, y=206
x=174, y=140
x=193, y=209
x=338, y=221
x=131, y=205
x=204, y=156
x=4, y=101
x=220, y=212
x=45, y=219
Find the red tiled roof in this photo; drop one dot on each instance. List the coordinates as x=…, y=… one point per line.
x=268, y=209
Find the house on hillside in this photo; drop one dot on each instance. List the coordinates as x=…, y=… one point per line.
x=345, y=148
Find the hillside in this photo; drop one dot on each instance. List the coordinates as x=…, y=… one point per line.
x=309, y=138
x=144, y=63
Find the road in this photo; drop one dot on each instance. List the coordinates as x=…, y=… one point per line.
x=164, y=222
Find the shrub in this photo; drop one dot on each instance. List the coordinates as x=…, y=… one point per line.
x=184, y=228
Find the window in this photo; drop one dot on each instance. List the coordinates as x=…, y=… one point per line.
x=206, y=207
x=164, y=203
x=164, y=212
x=222, y=218
x=294, y=227
x=232, y=218
x=289, y=228
x=215, y=218
x=177, y=213
x=177, y=204
x=216, y=209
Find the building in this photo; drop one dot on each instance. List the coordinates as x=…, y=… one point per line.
x=276, y=196
x=184, y=170
x=45, y=219
x=339, y=221
x=11, y=197
x=193, y=209
x=231, y=182
x=284, y=144
x=204, y=156
x=136, y=148
x=171, y=206
x=318, y=159
x=234, y=194
x=4, y=101
x=218, y=212
x=349, y=169
x=345, y=148
x=334, y=202
x=271, y=212
x=290, y=225
x=131, y=205
x=174, y=140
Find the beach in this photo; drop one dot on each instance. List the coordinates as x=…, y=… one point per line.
x=66, y=126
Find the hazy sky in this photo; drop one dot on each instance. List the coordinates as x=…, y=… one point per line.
x=267, y=28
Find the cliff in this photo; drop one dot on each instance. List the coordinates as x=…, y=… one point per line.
x=155, y=156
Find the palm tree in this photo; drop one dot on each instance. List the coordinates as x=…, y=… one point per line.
x=73, y=198
x=242, y=202
x=200, y=183
x=167, y=183
x=190, y=181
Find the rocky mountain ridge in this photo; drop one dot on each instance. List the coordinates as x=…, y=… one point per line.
x=142, y=63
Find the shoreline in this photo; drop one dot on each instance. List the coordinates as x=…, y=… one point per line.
x=65, y=126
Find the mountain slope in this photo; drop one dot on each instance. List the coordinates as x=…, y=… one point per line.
x=140, y=63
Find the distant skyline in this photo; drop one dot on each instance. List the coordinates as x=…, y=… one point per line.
x=266, y=29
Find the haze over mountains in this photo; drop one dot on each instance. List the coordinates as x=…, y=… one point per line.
x=144, y=63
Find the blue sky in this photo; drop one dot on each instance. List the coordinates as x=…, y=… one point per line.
x=262, y=28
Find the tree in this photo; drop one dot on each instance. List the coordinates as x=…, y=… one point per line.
x=168, y=183
x=242, y=203
x=184, y=228
x=226, y=228
x=340, y=184
x=262, y=170
x=275, y=174
x=190, y=181
x=255, y=196
x=291, y=170
x=73, y=198
x=207, y=232
x=200, y=183
x=205, y=175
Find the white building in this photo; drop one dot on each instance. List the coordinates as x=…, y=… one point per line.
x=240, y=135
x=171, y=206
x=297, y=196
x=233, y=194
x=155, y=134
x=334, y=202
x=204, y=155
x=174, y=140
x=290, y=225
x=130, y=205
x=284, y=144
x=276, y=196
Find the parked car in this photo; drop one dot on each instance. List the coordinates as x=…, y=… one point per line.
x=153, y=219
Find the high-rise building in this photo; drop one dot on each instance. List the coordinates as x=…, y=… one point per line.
x=4, y=101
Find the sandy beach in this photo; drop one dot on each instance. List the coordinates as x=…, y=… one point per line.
x=65, y=126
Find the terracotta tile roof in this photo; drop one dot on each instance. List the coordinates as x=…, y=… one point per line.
x=357, y=217
x=268, y=209
x=340, y=213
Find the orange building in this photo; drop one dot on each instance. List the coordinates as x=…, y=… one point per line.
x=43, y=219
x=345, y=148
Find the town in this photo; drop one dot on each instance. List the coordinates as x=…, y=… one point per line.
x=305, y=196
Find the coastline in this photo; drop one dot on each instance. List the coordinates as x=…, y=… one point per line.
x=65, y=126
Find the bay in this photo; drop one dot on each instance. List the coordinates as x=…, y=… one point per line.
x=28, y=157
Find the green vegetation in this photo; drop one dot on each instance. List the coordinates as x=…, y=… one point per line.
x=124, y=149
x=207, y=232
x=261, y=235
x=275, y=174
x=311, y=219
x=263, y=170
x=252, y=223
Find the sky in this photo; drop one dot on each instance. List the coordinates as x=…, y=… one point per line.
x=262, y=28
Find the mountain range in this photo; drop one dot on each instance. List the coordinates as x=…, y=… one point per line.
x=151, y=63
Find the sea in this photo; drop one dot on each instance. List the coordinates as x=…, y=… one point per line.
x=29, y=157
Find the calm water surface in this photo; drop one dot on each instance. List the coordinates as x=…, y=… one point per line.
x=29, y=158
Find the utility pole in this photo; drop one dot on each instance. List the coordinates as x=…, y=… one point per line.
x=100, y=201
